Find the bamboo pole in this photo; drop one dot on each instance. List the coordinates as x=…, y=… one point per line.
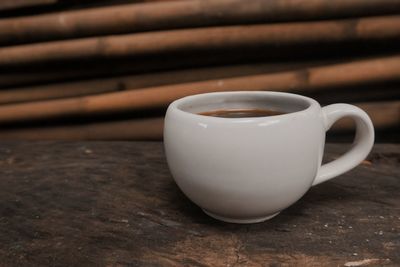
x=36, y=93
x=154, y=43
x=180, y=14
x=35, y=75
x=96, y=86
x=345, y=74
x=15, y=4
x=359, y=93
x=50, y=74
x=30, y=75
x=139, y=129
x=24, y=78
x=383, y=115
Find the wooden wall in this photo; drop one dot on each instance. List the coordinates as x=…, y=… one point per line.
x=106, y=70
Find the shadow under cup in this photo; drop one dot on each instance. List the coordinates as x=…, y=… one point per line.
x=248, y=169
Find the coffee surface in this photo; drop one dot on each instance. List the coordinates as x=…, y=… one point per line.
x=241, y=113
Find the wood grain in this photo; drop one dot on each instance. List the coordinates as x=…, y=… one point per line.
x=115, y=204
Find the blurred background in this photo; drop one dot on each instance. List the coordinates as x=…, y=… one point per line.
x=107, y=70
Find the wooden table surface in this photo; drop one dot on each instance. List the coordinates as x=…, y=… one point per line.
x=115, y=204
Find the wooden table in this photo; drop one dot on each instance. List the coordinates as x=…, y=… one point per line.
x=115, y=204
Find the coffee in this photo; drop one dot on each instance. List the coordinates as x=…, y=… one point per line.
x=241, y=113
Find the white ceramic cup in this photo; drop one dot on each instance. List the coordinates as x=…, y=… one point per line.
x=247, y=170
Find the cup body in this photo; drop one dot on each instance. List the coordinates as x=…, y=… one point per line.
x=244, y=170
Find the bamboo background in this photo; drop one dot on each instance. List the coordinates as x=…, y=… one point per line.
x=106, y=70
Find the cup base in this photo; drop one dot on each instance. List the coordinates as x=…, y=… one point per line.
x=242, y=221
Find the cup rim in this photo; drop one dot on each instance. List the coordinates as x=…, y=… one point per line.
x=175, y=105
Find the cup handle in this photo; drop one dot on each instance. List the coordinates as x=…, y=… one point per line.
x=362, y=144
